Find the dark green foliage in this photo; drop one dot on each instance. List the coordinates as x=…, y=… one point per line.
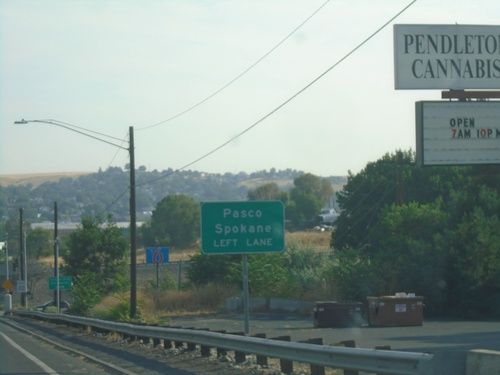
x=266, y=192
x=309, y=194
x=86, y=293
x=350, y=276
x=293, y=273
x=39, y=243
x=205, y=269
x=99, y=249
x=164, y=283
x=175, y=223
x=432, y=230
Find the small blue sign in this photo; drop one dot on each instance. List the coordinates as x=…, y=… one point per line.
x=156, y=255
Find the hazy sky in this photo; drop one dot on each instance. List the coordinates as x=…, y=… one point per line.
x=108, y=65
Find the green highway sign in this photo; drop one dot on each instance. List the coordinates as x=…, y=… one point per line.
x=65, y=283
x=242, y=227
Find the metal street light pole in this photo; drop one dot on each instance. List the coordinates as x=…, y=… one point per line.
x=6, y=248
x=58, y=287
x=56, y=252
x=133, y=219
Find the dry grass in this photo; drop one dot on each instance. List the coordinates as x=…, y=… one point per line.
x=320, y=240
x=37, y=179
x=206, y=299
x=156, y=305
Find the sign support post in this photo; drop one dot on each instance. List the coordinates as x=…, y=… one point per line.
x=157, y=255
x=248, y=227
x=246, y=298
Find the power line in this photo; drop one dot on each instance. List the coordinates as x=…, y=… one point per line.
x=289, y=99
x=66, y=124
x=280, y=106
x=238, y=76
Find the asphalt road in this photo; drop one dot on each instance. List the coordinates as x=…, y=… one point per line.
x=448, y=340
x=66, y=352
x=22, y=354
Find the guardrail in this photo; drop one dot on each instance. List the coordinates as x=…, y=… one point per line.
x=355, y=359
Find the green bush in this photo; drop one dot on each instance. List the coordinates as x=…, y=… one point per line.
x=86, y=294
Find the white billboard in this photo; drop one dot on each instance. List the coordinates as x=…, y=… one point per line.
x=458, y=133
x=453, y=57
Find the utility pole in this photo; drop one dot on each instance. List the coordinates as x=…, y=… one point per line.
x=133, y=219
x=56, y=254
x=22, y=257
x=399, y=180
x=133, y=229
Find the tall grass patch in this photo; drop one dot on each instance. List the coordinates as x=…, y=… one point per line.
x=207, y=298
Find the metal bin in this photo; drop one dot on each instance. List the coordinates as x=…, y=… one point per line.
x=337, y=314
x=393, y=311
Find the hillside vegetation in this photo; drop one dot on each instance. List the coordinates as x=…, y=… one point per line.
x=80, y=194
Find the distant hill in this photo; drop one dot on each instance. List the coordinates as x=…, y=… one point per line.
x=36, y=179
x=89, y=194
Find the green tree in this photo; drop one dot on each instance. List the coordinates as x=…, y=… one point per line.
x=409, y=253
x=86, y=293
x=350, y=275
x=392, y=179
x=38, y=243
x=473, y=279
x=267, y=276
x=204, y=269
x=303, y=209
x=175, y=222
x=309, y=194
x=319, y=187
x=266, y=192
x=97, y=248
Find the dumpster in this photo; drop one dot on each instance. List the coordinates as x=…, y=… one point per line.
x=394, y=311
x=337, y=314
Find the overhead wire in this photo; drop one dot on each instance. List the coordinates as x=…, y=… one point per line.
x=124, y=139
x=239, y=75
x=289, y=99
x=277, y=108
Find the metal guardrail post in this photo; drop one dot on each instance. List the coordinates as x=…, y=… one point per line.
x=261, y=359
x=285, y=364
x=221, y=352
x=367, y=360
x=239, y=357
x=316, y=369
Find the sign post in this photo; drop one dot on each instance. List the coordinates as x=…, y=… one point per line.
x=243, y=228
x=157, y=255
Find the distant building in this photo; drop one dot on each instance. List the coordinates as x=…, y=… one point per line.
x=64, y=228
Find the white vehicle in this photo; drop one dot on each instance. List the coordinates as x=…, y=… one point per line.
x=328, y=216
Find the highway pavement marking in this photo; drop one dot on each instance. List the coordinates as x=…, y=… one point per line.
x=30, y=356
x=67, y=348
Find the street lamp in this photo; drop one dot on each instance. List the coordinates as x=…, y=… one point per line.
x=6, y=249
x=133, y=219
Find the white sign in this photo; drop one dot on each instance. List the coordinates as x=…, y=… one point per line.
x=458, y=133
x=21, y=286
x=447, y=57
x=400, y=308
